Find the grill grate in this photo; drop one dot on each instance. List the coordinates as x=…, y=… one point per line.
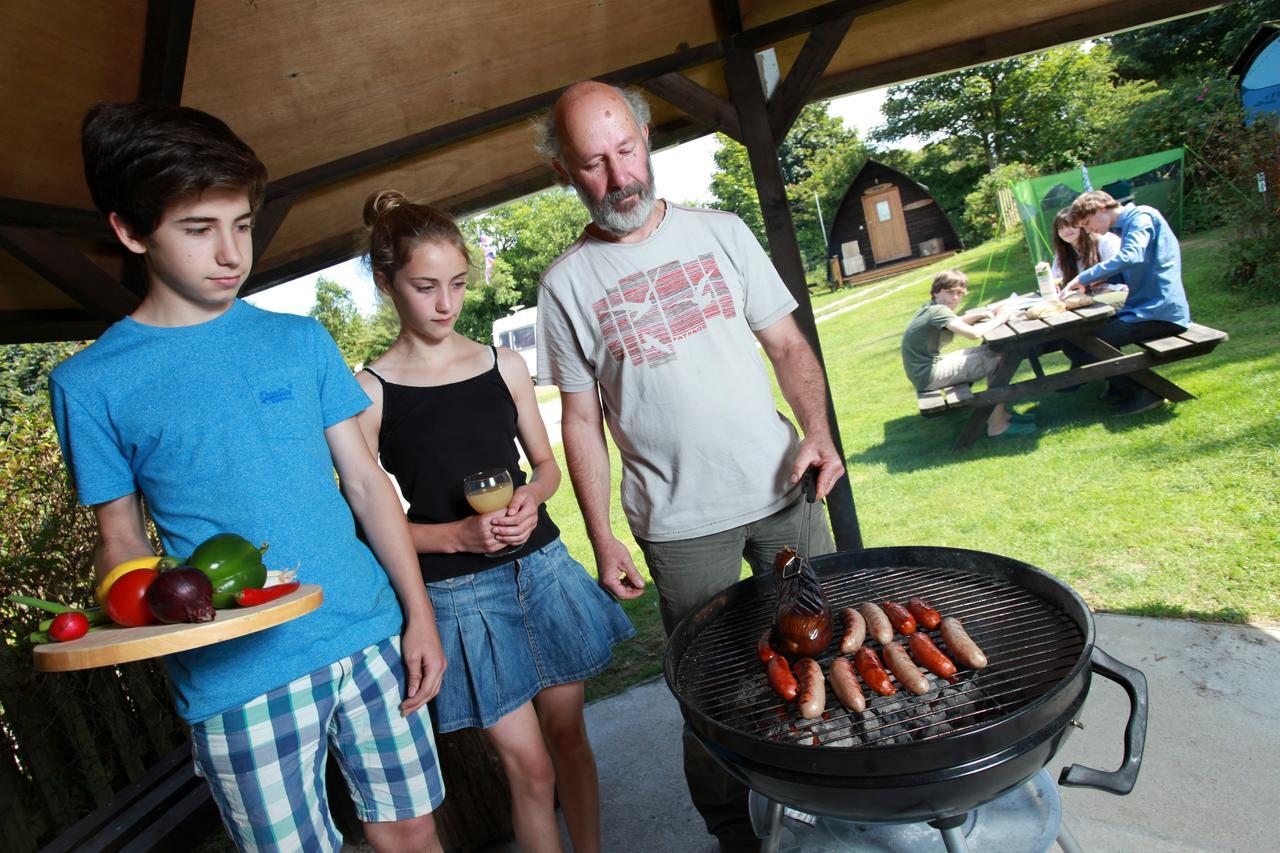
x=1030, y=644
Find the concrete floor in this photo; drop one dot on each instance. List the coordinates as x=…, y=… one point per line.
x=1210, y=778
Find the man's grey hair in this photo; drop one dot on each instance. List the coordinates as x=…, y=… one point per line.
x=547, y=143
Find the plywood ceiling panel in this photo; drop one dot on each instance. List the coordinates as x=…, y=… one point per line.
x=305, y=83
x=23, y=290
x=56, y=60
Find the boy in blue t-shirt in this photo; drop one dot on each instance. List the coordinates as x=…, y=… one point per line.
x=224, y=417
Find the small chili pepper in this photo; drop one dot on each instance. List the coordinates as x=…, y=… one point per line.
x=251, y=597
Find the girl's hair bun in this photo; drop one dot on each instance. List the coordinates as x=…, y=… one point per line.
x=381, y=202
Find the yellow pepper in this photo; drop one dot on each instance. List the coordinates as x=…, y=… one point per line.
x=104, y=585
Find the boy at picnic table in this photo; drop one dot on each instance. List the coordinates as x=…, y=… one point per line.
x=224, y=417
x=1150, y=261
x=935, y=325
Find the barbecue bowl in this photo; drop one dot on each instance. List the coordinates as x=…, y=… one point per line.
x=894, y=762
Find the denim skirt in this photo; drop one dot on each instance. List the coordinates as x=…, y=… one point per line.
x=517, y=628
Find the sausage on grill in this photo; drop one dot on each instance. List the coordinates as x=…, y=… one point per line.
x=878, y=626
x=966, y=651
x=931, y=657
x=781, y=679
x=855, y=631
x=764, y=646
x=903, y=622
x=813, y=692
x=925, y=615
x=845, y=685
x=872, y=672
x=905, y=670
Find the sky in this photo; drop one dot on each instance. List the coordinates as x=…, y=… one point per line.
x=683, y=174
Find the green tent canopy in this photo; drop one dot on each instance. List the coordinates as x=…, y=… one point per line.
x=1154, y=180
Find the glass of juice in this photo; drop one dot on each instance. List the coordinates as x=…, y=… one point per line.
x=490, y=491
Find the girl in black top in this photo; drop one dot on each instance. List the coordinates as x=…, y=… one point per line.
x=520, y=631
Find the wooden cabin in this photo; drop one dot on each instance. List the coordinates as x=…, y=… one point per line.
x=886, y=223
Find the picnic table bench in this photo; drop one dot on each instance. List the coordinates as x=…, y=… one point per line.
x=1021, y=340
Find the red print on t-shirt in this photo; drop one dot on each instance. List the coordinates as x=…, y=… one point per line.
x=644, y=314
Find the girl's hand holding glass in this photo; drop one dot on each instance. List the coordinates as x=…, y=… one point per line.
x=521, y=518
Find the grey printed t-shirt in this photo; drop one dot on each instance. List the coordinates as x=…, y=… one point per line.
x=926, y=335
x=665, y=328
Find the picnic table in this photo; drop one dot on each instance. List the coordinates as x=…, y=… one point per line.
x=1022, y=340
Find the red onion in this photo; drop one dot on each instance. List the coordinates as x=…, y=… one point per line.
x=183, y=594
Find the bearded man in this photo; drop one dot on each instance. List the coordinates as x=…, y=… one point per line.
x=650, y=322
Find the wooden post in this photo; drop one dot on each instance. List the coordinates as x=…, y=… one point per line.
x=762, y=150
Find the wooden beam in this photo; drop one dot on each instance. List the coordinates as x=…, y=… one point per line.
x=325, y=253
x=793, y=93
x=29, y=327
x=56, y=217
x=57, y=261
x=699, y=103
x=762, y=150
x=953, y=57
x=164, y=50
x=268, y=221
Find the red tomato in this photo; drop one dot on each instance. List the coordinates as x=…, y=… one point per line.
x=69, y=626
x=127, y=598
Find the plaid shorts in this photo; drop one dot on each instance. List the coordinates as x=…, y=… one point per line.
x=265, y=760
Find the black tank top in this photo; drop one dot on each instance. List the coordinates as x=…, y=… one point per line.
x=433, y=437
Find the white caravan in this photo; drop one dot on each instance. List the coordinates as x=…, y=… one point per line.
x=518, y=331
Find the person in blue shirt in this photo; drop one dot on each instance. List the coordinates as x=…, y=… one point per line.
x=221, y=417
x=1150, y=262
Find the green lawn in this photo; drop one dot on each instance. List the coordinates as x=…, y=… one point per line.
x=1171, y=513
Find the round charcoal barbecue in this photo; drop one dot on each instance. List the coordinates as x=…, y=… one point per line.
x=906, y=758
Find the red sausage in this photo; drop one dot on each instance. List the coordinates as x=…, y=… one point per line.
x=966, y=651
x=872, y=672
x=855, y=631
x=931, y=657
x=903, y=622
x=812, y=687
x=764, y=647
x=845, y=685
x=781, y=679
x=925, y=615
x=878, y=626
x=905, y=670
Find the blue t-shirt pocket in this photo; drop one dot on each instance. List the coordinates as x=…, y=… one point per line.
x=285, y=403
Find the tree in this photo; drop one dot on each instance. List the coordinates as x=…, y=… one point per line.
x=529, y=234
x=1050, y=110
x=1203, y=45
x=337, y=312
x=819, y=155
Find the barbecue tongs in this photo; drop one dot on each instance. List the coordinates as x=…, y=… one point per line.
x=808, y=598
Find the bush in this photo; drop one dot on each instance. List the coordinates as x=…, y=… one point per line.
x=981, y=219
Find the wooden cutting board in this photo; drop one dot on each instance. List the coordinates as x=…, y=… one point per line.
x=118, y=644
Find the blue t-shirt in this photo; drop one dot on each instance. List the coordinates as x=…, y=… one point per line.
x=1150, y=261
x=220, y=427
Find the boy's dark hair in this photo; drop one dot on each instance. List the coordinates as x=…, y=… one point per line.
x=141, y=157
x=1087, y=204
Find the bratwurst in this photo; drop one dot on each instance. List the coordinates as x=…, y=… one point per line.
x=781, y=679
x=878, y=626
x=812, y=684
x=925, y=615
x=855, y=631
x=931, y=657
x=905, y=670
x=845, y=685
x=903, y=622
x=872, y=671
x=966, y=651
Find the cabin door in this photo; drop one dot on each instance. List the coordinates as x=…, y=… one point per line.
x=885, y=225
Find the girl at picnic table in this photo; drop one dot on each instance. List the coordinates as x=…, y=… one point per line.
x=935, y=325
x=1075, y=249
x=520, y=630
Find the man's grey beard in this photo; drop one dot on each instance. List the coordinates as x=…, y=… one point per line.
x=622, y=223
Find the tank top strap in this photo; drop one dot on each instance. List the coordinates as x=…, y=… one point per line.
x=376, y=375
x=494, y=351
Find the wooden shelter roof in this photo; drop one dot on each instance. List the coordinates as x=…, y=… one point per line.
x=347, y=96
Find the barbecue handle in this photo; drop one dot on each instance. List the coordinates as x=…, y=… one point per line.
x=1135, y=732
